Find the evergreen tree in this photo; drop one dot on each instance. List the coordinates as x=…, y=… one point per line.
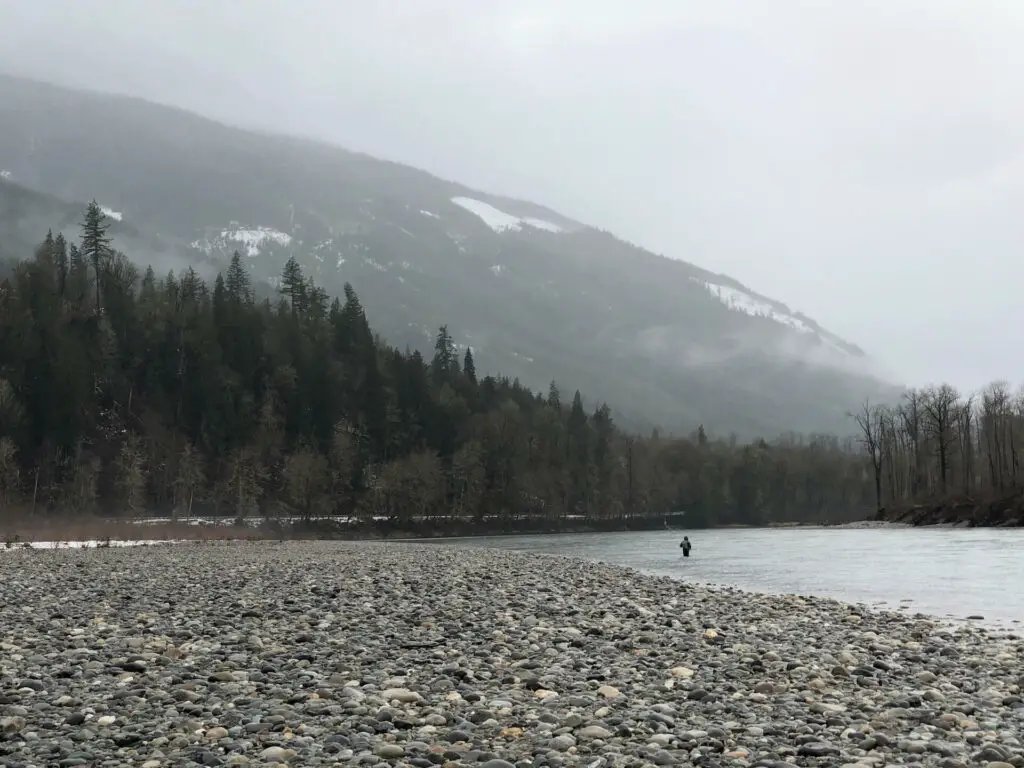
x=44, y=253
x=469, y=366
x=78, y=277
x=237, y=281
x=95, y=247
x=293, y=285
x=61, y=263
x=220, y=299
x=316, y=301
x=446, y=359
x=554, y=396
x=352, y=331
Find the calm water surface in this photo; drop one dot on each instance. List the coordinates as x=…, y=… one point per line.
x=943, y=572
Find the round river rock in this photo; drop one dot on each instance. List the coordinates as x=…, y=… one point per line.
x=325, y=653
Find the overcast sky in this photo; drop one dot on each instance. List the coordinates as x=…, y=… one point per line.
x=862, y=161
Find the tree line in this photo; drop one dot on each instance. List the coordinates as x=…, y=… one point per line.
x=940, y=444
x=125, y=393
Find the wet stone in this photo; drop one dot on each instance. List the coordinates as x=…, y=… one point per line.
x=323, y=653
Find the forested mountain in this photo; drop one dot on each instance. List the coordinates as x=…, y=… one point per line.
x=25, y=212
x=125, y=392
x=535, y=295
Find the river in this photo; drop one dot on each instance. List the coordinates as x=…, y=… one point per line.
x=950, y=573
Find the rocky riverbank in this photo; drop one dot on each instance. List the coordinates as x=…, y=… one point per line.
x=320, y=653
x=1000, y=512
x=867, y=524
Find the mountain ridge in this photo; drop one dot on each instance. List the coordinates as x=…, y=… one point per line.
x=662, y=340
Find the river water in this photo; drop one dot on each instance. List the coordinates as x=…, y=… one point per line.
x=950, y=573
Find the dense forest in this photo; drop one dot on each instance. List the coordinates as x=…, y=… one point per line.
x=127, y=394
x=942, y=456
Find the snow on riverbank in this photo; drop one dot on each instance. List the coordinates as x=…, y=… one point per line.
x=86, y=544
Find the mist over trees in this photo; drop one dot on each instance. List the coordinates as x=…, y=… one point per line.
x=124, y=393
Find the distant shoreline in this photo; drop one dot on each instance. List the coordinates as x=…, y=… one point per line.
x=17, y=533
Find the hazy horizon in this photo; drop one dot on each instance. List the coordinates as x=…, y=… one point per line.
x=861, y=165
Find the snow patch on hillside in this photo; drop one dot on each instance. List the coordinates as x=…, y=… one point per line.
x=251, y=240
x=431, y=215
x=541, y=224
x=6, y=175
x=110, y=213
x=497, y=269
x=741, y=301
x=833, y=343
x=254, y=239
x=500, y=221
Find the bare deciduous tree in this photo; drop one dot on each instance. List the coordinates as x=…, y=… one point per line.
x=9, y=470
x=938, y=442
x=342, y=465
x=131, y=474
x=306, y=482
x=870, y=422
x=241, y=485
x=188, y=480
x=940, y=407
x=85, y=484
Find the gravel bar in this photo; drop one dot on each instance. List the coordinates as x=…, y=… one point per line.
x=322, y=653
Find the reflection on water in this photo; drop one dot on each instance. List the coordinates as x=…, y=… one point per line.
x=944, y=572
